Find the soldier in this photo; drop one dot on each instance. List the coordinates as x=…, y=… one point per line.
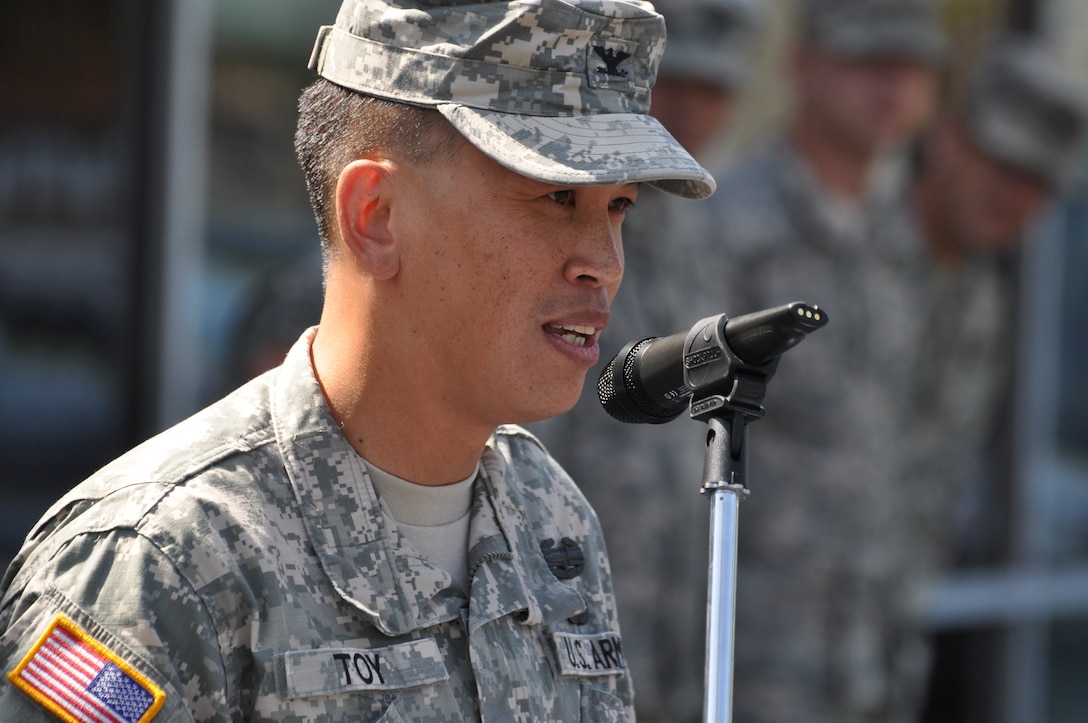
x=985, y=171
x=804, y=219
x=1010, y=144
x=359, y=534
x=706, y=66
x=644, y=482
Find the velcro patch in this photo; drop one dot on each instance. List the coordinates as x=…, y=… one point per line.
x=80, y=680
x=600, y=654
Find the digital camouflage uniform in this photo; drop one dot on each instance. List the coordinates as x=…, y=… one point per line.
x=244, y=565
x=964, y=372
x=826, y=623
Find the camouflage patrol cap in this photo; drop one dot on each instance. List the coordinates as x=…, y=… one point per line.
x=556, y=91
x=876, y=28
x=711, y=40
x=1024, y=109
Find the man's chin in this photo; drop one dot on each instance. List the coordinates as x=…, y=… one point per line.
x=555, y=407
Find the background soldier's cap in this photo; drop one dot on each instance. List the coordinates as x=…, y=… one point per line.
x=711, y=40
x=1024, y=109
x=876, y=28
x=556, y=91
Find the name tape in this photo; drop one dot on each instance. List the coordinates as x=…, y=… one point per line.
x=337, y=670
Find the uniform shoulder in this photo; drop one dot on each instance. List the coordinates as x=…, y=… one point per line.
x=236, y=423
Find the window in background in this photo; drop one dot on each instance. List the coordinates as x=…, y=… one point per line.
x=65, y=175
x=262, y=246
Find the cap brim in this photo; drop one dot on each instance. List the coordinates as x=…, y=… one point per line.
x=584, y=150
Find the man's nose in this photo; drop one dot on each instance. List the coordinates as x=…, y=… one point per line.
x=597, y=256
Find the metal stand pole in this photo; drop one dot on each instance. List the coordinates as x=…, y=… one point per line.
x=644, y=383
x=724, y=479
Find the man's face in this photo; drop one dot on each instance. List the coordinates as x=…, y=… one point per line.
x=506, y=283
x=869, y=104
x=694, y=112
x=986, y=203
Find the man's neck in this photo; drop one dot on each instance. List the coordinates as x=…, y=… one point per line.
x=410, y=438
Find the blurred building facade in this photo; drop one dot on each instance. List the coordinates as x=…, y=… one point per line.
x=148, y=183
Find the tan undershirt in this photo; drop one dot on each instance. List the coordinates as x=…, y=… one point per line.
x=435, y=519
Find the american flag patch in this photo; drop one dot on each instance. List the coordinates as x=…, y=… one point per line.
x=81, y=681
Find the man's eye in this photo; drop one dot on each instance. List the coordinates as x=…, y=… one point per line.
x=563, y=198
x=623, y=205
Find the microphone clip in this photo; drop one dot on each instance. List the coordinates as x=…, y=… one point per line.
x=720, y=381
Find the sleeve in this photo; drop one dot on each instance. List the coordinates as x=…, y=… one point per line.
x=108, y=625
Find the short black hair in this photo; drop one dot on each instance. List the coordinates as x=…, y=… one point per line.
x=337, y=126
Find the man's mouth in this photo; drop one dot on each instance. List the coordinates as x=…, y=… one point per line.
x=574, y=334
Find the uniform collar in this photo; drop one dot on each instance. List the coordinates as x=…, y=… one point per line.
x=506, y=564
x=360, y=549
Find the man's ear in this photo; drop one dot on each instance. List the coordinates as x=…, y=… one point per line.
x=362, y=213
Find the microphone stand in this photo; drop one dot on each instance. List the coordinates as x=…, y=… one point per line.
x=724, y=480
x=727, y=394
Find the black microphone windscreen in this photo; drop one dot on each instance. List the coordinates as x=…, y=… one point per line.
x=622, y=387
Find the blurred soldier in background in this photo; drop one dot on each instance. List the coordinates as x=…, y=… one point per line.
x=991, y=162
x=645, y=481
x=707, y=64
x=802, y=220
x=987, y=168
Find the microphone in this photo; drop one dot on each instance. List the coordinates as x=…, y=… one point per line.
x=646, y=382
